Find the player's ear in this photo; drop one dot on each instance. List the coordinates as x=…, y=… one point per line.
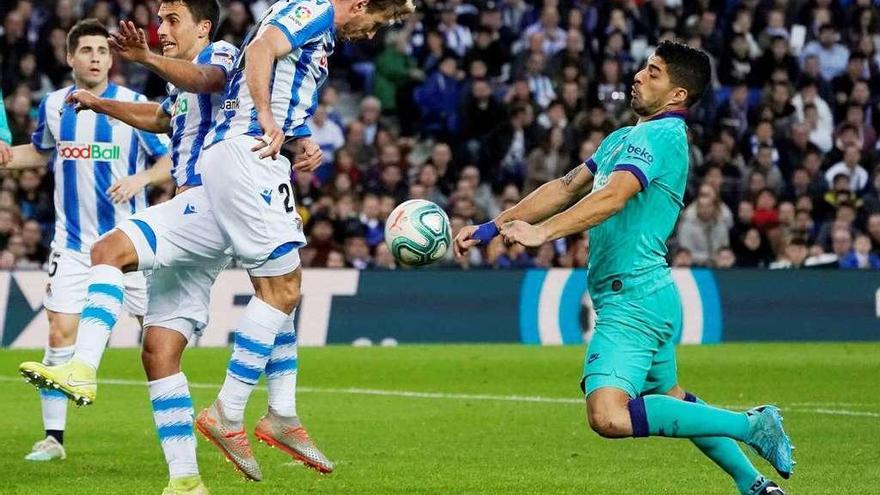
x=679, y=96
x=203, y=29
x=360, y=6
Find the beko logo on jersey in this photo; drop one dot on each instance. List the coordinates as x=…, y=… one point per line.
x=88, y=151
x=230, y=104
x=640, y=152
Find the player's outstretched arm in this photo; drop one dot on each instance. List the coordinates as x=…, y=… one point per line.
x=147, y=116
x=24, y=156
x=127, y=187
x=130, y=43
x=585, y=214
x=543, y=202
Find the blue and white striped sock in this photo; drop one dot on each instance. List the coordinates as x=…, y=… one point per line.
x=250, y=353
x=281, y=371
x=173, y=414
x=53, y=402
x=99, y=315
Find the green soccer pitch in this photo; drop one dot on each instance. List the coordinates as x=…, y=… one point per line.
x=480, y=419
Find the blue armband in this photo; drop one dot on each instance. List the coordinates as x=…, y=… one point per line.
x=486, y=232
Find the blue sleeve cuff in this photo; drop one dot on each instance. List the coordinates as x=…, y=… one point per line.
x=643, y=180
x=486, y=232
x=591, y=165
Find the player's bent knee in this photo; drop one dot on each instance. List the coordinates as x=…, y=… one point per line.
x=114, y=249
x=607, y=417
x=281, y=292
x=608, y=425
x=160, y=354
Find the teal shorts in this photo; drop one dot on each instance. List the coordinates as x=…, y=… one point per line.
x=632, y=348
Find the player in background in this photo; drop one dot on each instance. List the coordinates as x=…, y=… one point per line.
x=309, y=27
x=100, y=173
x=629, y=195
x=178, y=297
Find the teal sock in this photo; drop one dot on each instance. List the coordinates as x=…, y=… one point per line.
x=665, y=416
x=727, y=455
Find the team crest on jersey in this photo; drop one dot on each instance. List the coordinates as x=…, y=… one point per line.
x=302, y=13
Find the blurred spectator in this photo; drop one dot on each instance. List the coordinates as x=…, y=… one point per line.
x=35, y=251
x=706, y=232
x=357, y=253
x=861, y=256
x=547, y=161
x=235, y=24
x=724, y=258
x=439, y=98
x=831, y=54
x=873, y=229
x=752, y=250
x=793, y=256
x=328, y=136
x=516, y=94
x=851, y=168
x=10, y=223
x=395, y=70
x=682, y=258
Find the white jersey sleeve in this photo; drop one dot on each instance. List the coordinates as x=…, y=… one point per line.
x=42, y=138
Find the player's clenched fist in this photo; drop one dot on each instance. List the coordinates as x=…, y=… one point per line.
x=82, y=100
x=520, y=232
x=307, y=155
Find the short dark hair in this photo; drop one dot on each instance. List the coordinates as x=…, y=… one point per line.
x=688, y=68
x=85, y=27
x=202, y=10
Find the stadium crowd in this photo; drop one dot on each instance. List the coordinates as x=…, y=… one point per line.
x=474, y=104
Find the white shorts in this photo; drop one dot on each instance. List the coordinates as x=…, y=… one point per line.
x=254, y=205
x=179, y=232
x=178, y=297
x=69, y=279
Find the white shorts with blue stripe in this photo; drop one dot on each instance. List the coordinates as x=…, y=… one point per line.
x=254, y=204
x=183, y=247
x=69, y=282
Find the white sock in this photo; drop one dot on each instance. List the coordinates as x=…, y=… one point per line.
x=173, y=413
x=54, y=403
x=253, y=345
x=281, y=370
x=102, y=308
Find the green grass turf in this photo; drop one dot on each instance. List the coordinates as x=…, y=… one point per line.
x=392, y=444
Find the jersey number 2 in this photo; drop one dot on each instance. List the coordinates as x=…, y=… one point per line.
x=284, y=188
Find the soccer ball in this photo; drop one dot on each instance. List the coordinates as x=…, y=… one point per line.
x=417, y=233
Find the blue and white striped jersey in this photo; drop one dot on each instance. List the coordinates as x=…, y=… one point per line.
x=91, y=152
x=192, y=116
x=308, y=25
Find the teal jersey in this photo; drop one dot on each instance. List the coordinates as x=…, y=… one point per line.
x=5, y=135
x=628, y=250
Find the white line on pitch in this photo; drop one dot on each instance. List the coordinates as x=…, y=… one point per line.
x=488, y=397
